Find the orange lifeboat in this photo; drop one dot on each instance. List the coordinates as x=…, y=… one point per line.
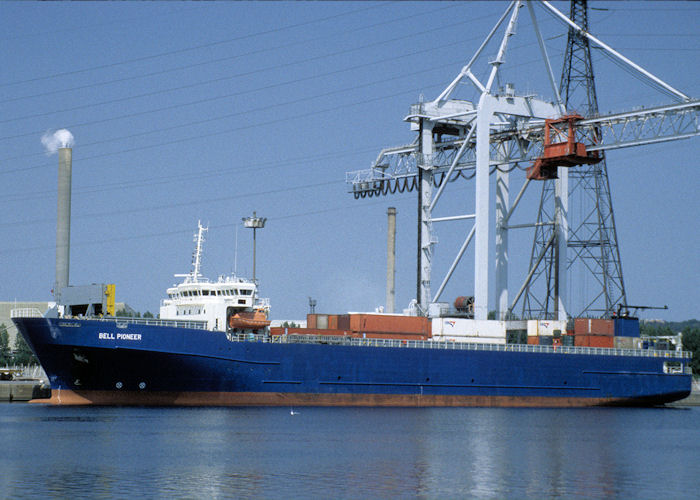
x=564, y=153
x=248, y=320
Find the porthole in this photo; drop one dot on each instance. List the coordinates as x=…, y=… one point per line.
x=119, y=385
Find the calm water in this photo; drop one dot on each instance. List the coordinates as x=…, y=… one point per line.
x=50, y=452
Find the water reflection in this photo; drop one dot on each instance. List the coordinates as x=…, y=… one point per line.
x=346, y=452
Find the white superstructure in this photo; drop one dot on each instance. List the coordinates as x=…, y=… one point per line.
x=197, y=298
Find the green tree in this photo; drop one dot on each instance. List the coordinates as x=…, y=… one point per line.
x=691, y=342
x=23, y=353
x=5, y=354
x=124, y=313
x=647, y=329
x=148, y=314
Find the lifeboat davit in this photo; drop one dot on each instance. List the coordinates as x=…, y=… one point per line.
x=248, y=320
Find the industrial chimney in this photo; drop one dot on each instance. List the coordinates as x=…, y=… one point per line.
x=391, y=261
x=65, y=165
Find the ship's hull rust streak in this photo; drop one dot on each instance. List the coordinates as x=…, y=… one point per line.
x=135, y=398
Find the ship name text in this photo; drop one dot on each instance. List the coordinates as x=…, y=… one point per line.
x=118, y=336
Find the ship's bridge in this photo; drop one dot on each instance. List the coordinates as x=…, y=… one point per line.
x=211, y=301
x=216, y=302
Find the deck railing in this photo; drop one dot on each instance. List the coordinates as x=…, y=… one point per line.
x=122, y=322
x=26, y=312
x=443, y=344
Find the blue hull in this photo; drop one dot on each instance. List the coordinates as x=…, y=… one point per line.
x=99, y=362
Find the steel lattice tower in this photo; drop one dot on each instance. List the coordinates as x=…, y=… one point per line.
x=594, y=266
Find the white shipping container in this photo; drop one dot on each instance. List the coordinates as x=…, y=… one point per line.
x=516, y=324
x=536, y=327
x=470, y=339
x=462, y=327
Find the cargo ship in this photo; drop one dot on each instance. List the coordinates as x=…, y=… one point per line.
x=214, y=345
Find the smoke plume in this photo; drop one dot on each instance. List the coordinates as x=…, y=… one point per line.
x=59, y=139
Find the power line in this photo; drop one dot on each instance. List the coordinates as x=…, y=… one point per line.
x=238, y=113
x=228, y=58
x=219, y=171
x=275, y=67
x=353, y=206
x=226, y=131
x=73, y=29
x=197, y=175
x=189, y=49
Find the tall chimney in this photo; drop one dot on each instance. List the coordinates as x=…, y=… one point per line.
x=65, y=165
x=391, y=260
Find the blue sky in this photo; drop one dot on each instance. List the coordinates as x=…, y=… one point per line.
x=188, y=111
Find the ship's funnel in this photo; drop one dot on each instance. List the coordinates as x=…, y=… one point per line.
x=65, y=165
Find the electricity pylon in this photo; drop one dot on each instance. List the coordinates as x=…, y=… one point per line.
x=594, y=263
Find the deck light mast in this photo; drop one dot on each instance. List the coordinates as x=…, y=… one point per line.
x=256, y=223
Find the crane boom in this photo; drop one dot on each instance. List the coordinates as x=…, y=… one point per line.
x=607, y=132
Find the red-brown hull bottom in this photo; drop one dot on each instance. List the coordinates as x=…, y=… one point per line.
x=134, y=398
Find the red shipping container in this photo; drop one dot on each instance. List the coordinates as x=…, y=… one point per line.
x=387, y=323
x=532, y=340
x=344, y=321
x=280, y=330
x=310, y=321
x=399, y=336
x=603, y=326
x=594, y=341
x=332, y=321
x=594, y=326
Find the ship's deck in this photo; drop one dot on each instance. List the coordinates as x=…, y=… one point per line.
x=444, y=344
x=366, y=342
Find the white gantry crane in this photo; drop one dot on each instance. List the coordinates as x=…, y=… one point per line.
x=485, y=141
